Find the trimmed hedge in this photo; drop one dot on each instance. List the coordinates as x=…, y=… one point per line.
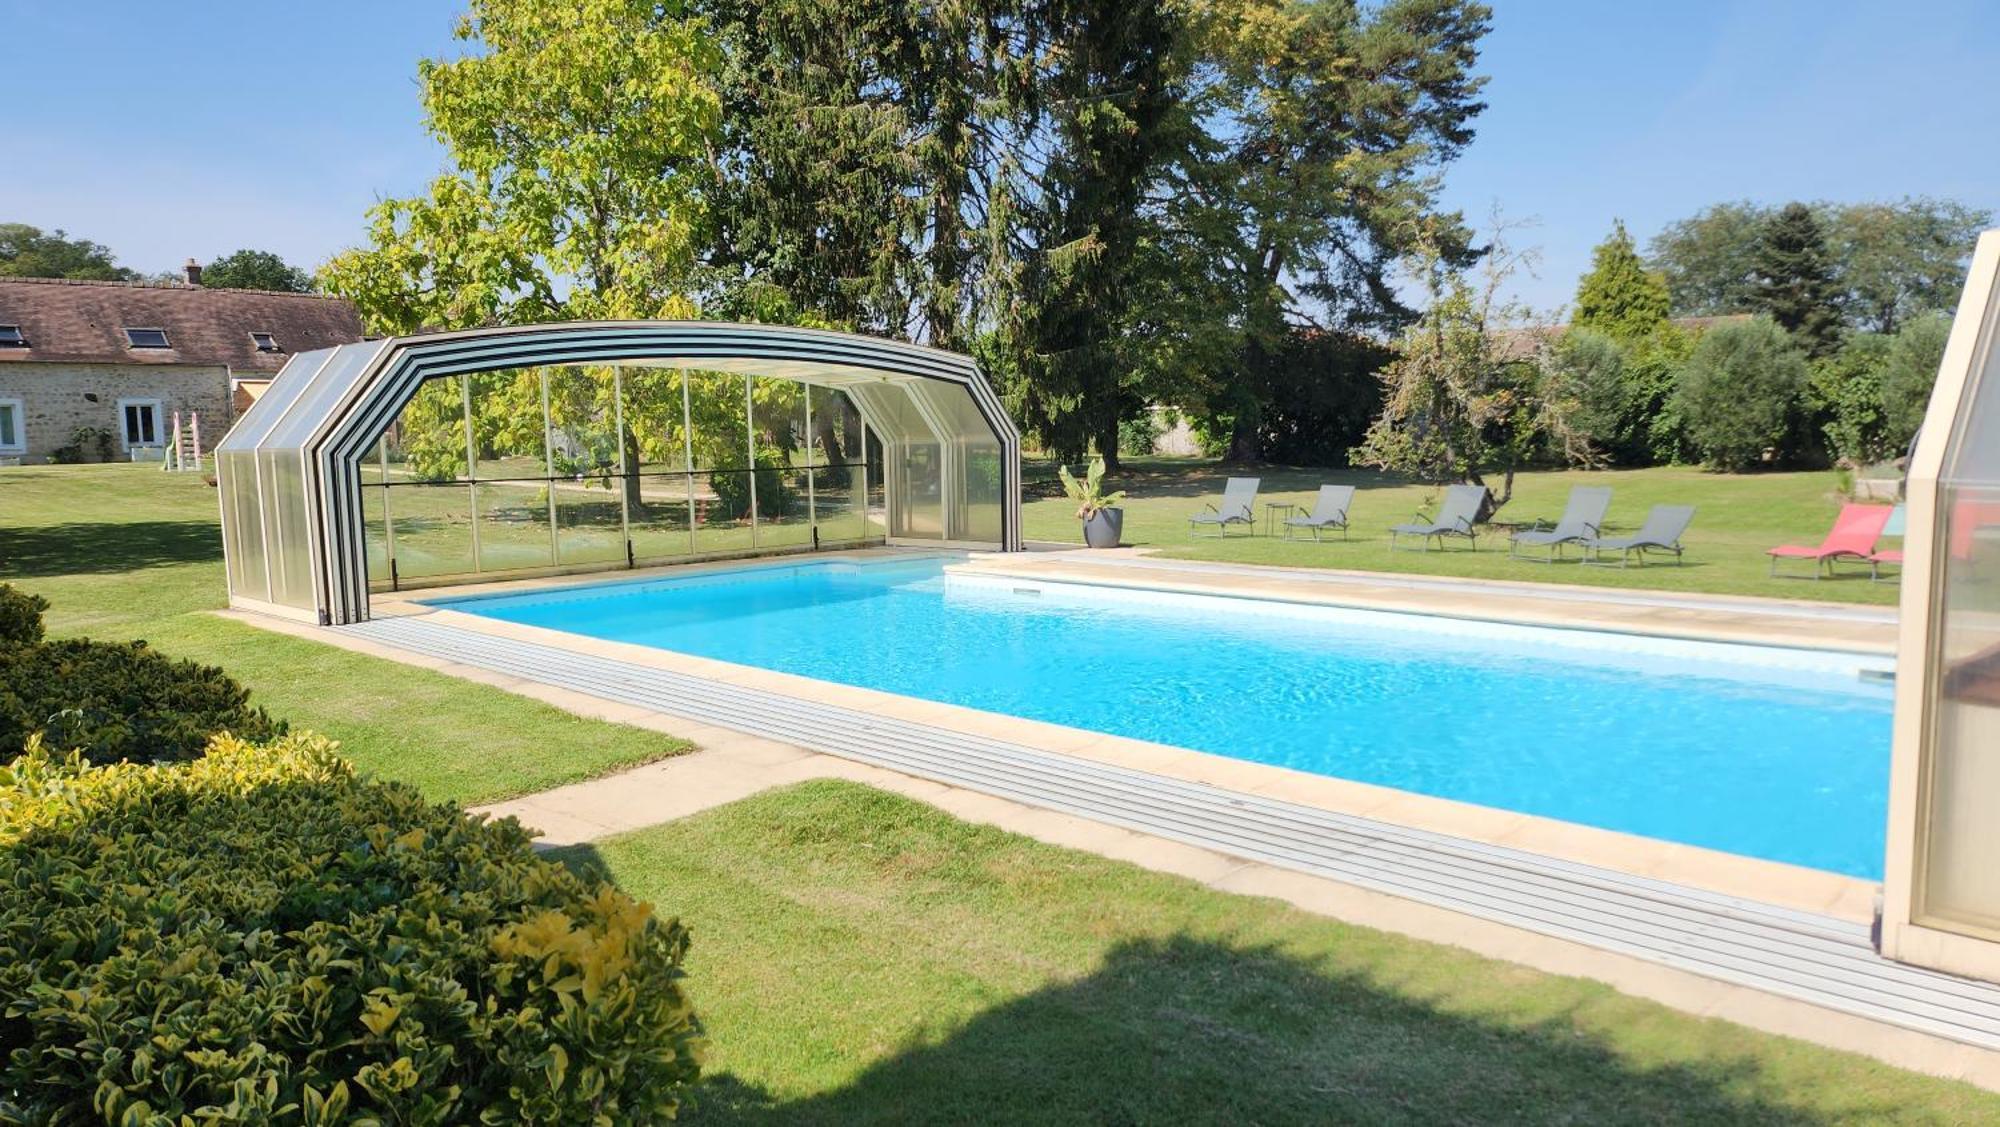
x=114, y=701
x=20, y=616
x=261, y=936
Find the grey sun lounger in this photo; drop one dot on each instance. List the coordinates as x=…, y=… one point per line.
x=1582, y=519
x=1239, y=500
x=1458, y=516
x=1661, y=533
x=1329, y=511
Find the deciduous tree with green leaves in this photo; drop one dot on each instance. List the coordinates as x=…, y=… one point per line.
x=1891, y=261
x=1458, y=404
x=579, y=135
x=1739, y=393
x=255, y=270
x=1899, y=261
x=30, y=252
x=1709, y=259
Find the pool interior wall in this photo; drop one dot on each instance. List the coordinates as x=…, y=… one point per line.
x=1766, y=752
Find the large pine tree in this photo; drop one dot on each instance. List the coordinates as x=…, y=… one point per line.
x=1795, y=281
x=1620, y=297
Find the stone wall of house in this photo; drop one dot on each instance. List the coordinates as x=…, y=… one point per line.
x=59, y=398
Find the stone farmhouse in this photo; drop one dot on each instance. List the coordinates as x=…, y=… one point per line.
x=97, y=370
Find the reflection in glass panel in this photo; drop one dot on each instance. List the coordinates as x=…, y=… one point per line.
x=375, y=524
x=514, y=525
x=507, y=424
x=838, y=517
x=836, y=439
x=583, y=421
x=433, y=529
x=720, y=439
x=286, y=532
x=660, y=519
x=876, y=509
x=427, y=441
x=246, y=527
x=918, y=481
x=590, y=521
x=783, y=519
x=1961, y=884
x=651, y=401
x=978, y=485
x=722, y=511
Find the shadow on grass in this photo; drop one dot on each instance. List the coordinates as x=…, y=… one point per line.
x=1192, y=1031
x=109, y=546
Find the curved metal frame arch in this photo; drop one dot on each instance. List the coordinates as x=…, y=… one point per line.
x=331, y=454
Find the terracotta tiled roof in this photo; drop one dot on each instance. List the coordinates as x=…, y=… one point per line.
x=70, y=321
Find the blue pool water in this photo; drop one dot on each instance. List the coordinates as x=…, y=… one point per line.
x=1772, y=753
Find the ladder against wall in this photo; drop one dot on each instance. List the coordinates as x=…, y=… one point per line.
x=183, y=451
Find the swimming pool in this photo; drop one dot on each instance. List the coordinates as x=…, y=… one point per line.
x=1761, y=751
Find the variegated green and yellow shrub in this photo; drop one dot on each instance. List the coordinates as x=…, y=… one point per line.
x=261, y=936
x=120, y=700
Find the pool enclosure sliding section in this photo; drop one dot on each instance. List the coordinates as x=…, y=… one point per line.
x=506, y=452
x=1941, y=894
x=565, y=467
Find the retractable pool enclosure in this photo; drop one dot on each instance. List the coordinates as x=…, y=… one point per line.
x=1941, y=894
x=498, y=453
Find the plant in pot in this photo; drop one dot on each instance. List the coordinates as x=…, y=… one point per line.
x=1103, y=521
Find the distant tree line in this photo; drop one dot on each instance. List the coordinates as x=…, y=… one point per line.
x=1798, y=335
x=30, y=252
x=1825, y=327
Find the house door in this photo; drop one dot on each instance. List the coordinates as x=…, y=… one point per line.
x=139, y=419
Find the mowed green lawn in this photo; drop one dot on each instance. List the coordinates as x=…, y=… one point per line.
x=1738, y=516
x=862, y=958
x=125, y=551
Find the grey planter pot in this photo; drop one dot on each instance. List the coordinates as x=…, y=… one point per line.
x=1104, y=527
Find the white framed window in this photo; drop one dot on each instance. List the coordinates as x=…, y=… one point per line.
x=147, y=338
x=11, y=337
x=13, y=427
x=139, y=422
x=265, y=342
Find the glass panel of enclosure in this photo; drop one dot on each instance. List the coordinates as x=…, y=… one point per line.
x=783, y=484
x=660, y=502
x=973, y=458
x=576, y=466
x=1959, y=885
x=719, y=436
x=875, y=500
x=247, y=574
x=913, y=461
x=838, y=470
x=375, y=509
x=287, y=549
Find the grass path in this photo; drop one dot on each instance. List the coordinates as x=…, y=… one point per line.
x=1738, y=517
x=862, y=958
x=123, y=552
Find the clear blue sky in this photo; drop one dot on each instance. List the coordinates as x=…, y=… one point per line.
x=190, y=129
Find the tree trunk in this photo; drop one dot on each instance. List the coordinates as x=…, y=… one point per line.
x=1107, y=446
x=630, y=481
